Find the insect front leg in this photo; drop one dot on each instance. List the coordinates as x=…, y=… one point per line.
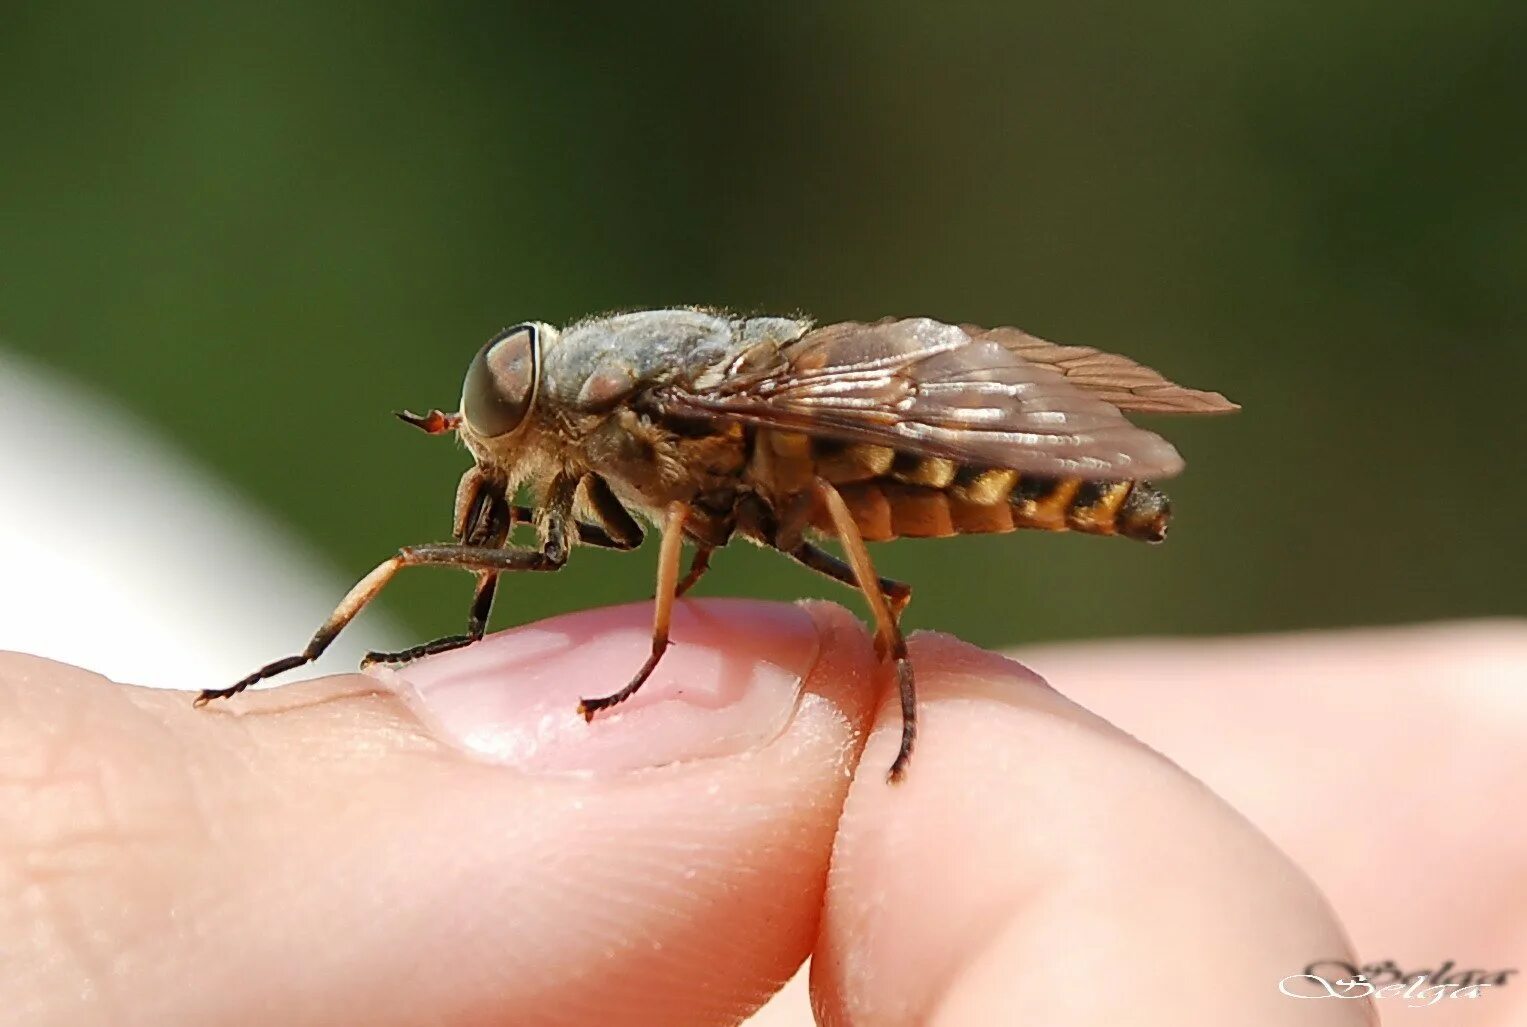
x=477, y=626
x=613, y=526
x=616, y=529
x=483, y=518
x=667, y=587
x=485, y=560
x=439, y=554
x=889, y=641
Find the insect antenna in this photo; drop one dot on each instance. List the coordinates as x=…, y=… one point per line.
x=436, y=422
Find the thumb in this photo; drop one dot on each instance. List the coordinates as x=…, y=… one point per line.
x=456, y=847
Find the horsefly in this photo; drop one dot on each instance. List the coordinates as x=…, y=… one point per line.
x=715, y=427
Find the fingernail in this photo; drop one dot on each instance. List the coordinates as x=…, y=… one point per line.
x=728, y=683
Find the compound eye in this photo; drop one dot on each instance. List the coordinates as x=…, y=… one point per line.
x=501, y=382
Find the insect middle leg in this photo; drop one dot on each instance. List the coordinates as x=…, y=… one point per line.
x=667, y=590
x=698, y=565
x=889, y=642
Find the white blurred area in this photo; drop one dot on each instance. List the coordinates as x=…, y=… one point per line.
x=118, y=555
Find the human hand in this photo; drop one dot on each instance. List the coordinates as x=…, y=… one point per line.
x=320, y=854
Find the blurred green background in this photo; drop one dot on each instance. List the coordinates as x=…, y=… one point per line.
x=262, y=227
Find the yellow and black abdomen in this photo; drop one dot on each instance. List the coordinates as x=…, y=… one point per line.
x=896, y=494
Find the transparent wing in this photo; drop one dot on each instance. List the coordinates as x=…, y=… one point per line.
x=931, y=388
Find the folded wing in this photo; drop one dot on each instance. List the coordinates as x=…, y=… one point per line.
x=1113, y=378
x=996, y=398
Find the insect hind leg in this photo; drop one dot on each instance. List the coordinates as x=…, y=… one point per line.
x=887, y=599
x=897, y=593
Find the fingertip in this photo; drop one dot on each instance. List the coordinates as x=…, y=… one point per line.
x=728, y=680
x=1031, y=840
x=383, y=874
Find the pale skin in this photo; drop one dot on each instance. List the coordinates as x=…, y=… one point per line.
x=314, y=854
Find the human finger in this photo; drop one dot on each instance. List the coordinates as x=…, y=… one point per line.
x=319, y=854
x=1040, y=866
x=1422, y=726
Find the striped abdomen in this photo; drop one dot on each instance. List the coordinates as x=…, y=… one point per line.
x=983, y=500
x=902, y=495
